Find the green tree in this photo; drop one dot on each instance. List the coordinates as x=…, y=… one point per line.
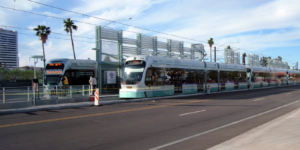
x=69, y=25
x=43, y=32
x=28, y=74
x=5, y=73
x=40, y=74
x=279, y=58
x=263, y=61
x=15, y=73
x=228, y=47
x=210, y=42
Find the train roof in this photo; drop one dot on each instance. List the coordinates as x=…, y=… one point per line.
x=158, y=61
x=65, y=60
x=74, y=63
x=175, y=62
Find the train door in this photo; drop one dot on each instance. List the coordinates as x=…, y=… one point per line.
x=249, y=77
x=178, y=80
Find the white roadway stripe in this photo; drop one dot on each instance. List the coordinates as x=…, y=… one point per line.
x=191, y=113
x=288, y=93
x=221, y=127
x=259, y=99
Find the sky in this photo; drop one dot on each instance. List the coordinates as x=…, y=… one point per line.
x=263, y=27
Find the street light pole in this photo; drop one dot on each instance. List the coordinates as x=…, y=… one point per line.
x=35, y=60
x=115, y=21
x=215, y=54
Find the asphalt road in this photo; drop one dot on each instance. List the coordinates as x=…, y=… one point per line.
x=195, y=122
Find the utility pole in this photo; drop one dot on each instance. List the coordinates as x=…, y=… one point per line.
x=215, y=54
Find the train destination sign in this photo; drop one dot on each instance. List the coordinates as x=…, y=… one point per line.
x=49, y=72
x=55, y=64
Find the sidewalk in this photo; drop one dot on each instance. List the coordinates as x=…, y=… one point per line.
x=278, y=134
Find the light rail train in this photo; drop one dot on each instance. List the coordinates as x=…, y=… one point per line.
x=77, y=71
x=150, y=76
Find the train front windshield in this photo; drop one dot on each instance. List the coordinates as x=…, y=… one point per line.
x=133, y=73
x=52, y=80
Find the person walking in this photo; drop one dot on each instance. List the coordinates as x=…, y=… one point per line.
x=93, y=84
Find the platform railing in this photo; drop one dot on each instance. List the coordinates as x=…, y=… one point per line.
x=25, y=93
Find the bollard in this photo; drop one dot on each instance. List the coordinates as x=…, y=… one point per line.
x=70, y=91
x=208, y=89
x=83, y=90
x=28, y=93
x=96, y=97
x=3, y=95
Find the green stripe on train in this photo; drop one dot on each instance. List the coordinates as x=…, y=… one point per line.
x=148, y=93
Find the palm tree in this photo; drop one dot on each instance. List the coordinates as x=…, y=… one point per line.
x=244, y=60
x=43, y=32
x=69, y=25
x=210, y=42
x=279, y=58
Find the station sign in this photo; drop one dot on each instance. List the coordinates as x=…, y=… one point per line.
x=110, y=77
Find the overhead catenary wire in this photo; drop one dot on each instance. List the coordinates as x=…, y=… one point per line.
x=108, y=41
x=57, y=38
x=101, y=19
x=51, y=31
x=74, y=20
x=114, y=21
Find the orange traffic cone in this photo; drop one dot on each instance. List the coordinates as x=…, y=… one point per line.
x=92, y=99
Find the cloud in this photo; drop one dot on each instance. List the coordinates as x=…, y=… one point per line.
x=257, y=25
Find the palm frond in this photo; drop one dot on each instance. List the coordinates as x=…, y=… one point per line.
x=67, y=30
x=38, y=33
x=210, y=42
x=74, y=27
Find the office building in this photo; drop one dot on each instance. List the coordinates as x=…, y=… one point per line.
x=9, y=48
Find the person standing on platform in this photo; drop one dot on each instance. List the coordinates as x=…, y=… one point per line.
x=64, y=80
x=93, y=84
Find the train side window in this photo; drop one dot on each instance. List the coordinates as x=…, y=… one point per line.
x=212, y=76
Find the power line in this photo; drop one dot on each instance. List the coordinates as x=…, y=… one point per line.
x=56, y=38
x=73, y=20
x=100, y=19
x=106, y=41
x=114, y=21
x=51, y=31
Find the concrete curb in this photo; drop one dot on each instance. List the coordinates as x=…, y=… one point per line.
x=41, y=108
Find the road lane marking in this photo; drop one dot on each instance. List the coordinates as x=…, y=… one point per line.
x=259, y=99
x=99, y=114
x=288, y=93
x=191, y=113
x=115, y=112
x=221, y=127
